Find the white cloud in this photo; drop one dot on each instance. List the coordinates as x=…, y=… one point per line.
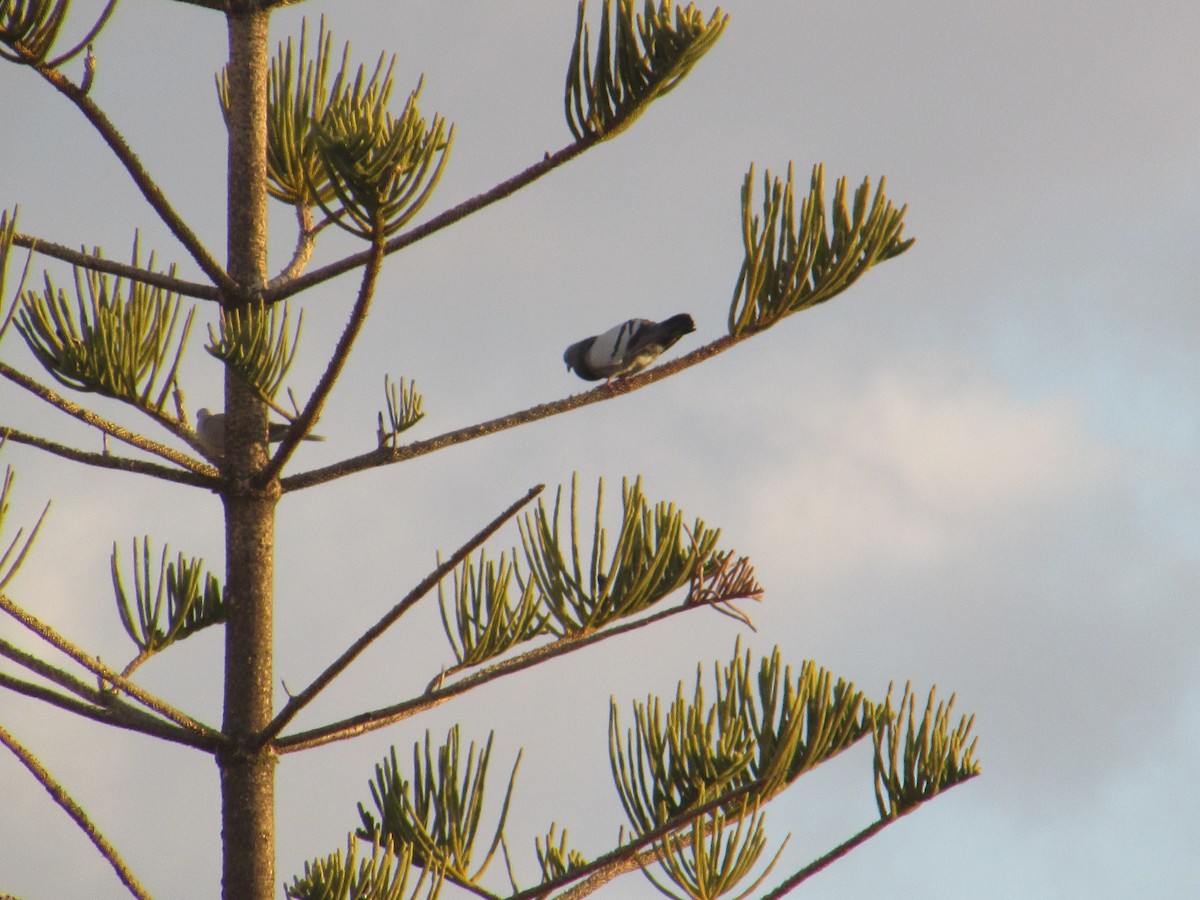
x=901, y=468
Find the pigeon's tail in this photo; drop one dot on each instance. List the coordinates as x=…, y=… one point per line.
x=279, y=430
x=674, y=328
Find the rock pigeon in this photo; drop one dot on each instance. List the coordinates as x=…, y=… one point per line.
x=626, y=349
x=210, y=428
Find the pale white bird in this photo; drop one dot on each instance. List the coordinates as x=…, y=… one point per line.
x=210, y=428
x=626, y=349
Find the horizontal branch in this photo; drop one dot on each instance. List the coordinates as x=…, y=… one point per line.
x=93, y=665
x=108, y=461
x=75, y=811
x=121, y=270
x=208, y=474
x=285, y=289
x=385, y=456
x=101, y=706
x=49, y=672
x=118, y=716
x=302, y=699
x=436, y=696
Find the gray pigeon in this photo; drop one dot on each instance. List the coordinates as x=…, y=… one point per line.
x=210, y=428
x=626, y=349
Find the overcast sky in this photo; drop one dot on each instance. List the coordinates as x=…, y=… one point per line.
x=975, y=469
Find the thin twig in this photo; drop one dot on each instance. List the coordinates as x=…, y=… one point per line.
x=312, y=409
x=112, y=267
x=302, y=699
x=75, y=811
x=145, y=183
x=385, y=456
x=93, y=665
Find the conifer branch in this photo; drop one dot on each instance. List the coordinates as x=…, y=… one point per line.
x=108, y=461
x=145, y=183
x=96, y=263
x=87, y=39
x=794, y=881
x=388, y=455
x=194, y=601
x=117, y=715
x=437, y=693
x=633, y=854
x=106, y=674
x=198, y=473
x=795, y=261
x=382, y=876
x=51, y=673
x=304, y=422
x=75, y=811
x=302, y=699
x=306, y=241
x=282, y=291
x=116, y=340
x=639, y=57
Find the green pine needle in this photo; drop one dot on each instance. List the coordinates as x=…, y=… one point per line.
x=639, y=58
x=114, y=340
x=793, y=263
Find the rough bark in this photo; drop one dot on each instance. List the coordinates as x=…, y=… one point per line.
x=247, y=775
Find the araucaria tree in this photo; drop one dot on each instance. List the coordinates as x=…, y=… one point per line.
x=331, y=141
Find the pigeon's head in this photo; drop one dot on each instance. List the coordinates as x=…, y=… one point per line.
x=202, y=416
x=573, y=356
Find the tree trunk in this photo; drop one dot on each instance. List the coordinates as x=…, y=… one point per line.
x=247, y=774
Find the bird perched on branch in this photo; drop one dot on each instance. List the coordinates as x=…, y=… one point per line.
x=210, y=428
x=626, y=349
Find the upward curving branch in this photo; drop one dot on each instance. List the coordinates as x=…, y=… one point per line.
x=551, y=161
x=302, y=699
x=145, y=183
x=308, y=416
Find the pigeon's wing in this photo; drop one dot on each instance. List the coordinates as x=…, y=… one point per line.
x=627, y=348
x=612, y=352
x=210, y=428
